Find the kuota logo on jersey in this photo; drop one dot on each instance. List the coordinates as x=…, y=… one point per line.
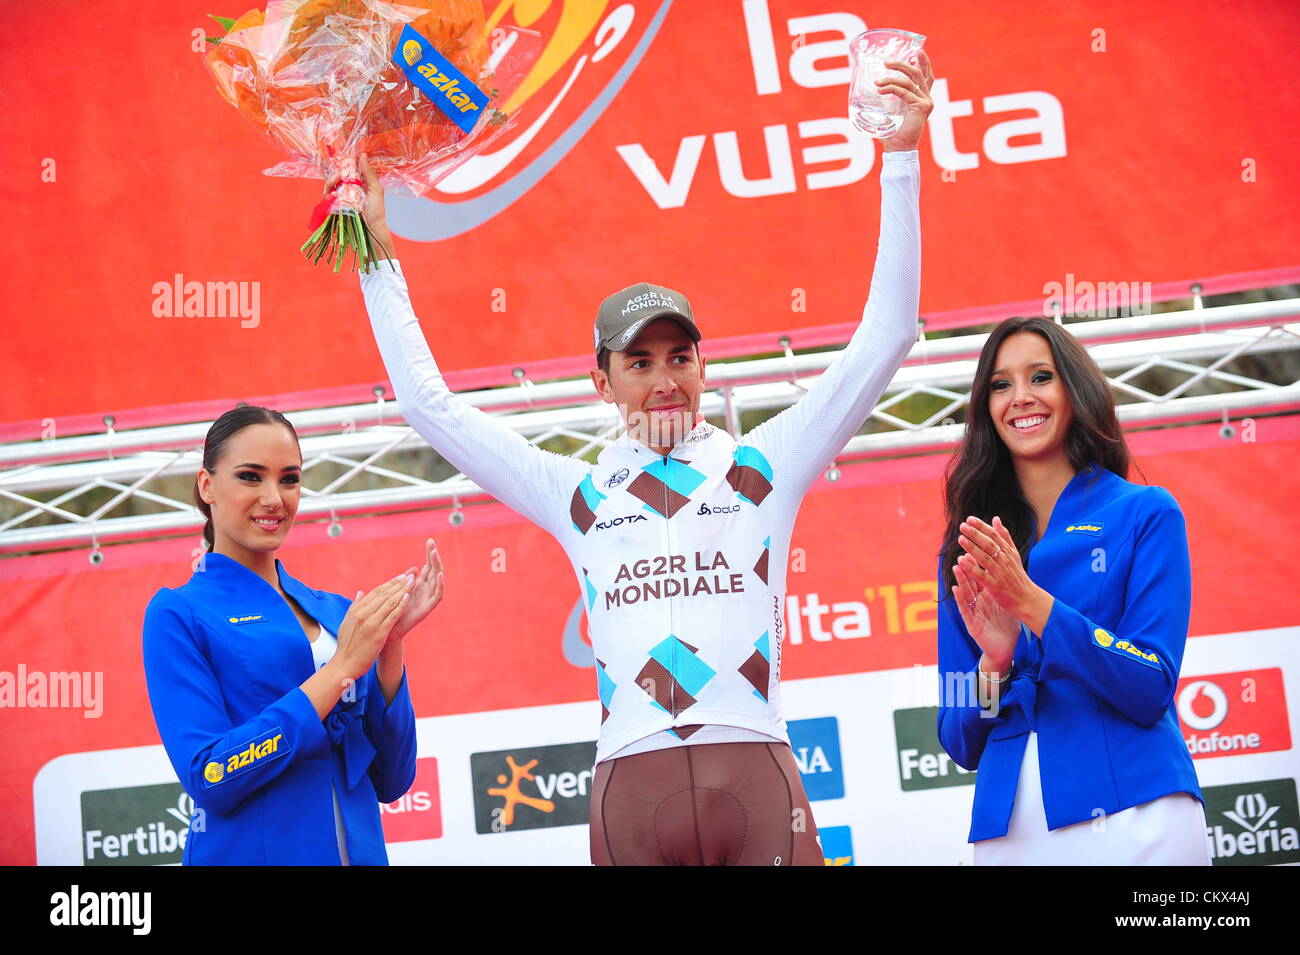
x=532, y=788
x=1253, y=823
x=816, y=747
x=1229, y=713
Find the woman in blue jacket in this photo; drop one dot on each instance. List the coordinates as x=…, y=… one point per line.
x=1067, y=595
x=284, y=710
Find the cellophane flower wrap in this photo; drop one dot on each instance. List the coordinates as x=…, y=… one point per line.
x=417, y=86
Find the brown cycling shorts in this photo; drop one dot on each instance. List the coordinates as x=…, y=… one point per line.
x=708, y=804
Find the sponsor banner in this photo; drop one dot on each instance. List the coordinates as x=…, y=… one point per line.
x=135, y=825
x=837, y=844
x=922, y=761
x=816, y=747
x=477, y=655
x=1253, y=823
x=123, y=792
x=1227, y=714
x=618, y=162
x=418, y=814
x=532, y=787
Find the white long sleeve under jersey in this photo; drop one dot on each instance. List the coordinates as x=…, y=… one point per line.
x=680, y=558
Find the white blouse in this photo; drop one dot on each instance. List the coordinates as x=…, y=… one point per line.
x=322, y=649
x=1165, y=831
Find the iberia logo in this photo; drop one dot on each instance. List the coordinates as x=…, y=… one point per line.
x=589, y=51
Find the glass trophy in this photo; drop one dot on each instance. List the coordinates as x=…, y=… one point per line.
x=875, y=113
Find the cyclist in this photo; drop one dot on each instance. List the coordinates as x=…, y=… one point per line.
x=679, y=536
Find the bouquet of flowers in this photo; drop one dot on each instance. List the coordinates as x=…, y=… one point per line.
x=417, y=85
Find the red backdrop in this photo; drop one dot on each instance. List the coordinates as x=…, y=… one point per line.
x=123, y=168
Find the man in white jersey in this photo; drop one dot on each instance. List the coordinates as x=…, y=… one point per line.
x=679, y=537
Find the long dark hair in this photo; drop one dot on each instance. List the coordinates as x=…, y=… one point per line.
x=980, y=479
x=223, y=429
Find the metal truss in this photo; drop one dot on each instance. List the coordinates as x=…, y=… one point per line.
x=363, y=459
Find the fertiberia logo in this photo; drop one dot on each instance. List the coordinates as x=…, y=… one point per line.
x=136, y=825
x=922, y=761
x=532, y=788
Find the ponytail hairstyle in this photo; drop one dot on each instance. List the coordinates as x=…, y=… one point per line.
x=980, y=478
x=214, y=446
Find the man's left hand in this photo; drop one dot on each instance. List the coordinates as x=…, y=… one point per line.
x=913, y=88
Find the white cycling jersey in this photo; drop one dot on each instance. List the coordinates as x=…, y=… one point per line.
x=680, y=558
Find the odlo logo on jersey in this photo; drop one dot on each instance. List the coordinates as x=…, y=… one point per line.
x=705, y=510
x=240, y=760
x=532, y=788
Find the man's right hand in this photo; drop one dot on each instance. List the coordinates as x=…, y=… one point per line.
x=376, y=214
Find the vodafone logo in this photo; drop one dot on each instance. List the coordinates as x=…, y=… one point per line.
x=1225, y=714
x=1192, y=706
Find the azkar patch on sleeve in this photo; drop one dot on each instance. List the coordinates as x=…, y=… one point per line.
x=1107, y=641
x=260, y=750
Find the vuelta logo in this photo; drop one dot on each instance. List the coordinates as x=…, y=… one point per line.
x=705, y=510
x=629, y=519
x=1230, y=713
x=590, y=50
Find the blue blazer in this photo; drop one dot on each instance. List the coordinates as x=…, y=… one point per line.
x=1098, y=687
x=224, y=656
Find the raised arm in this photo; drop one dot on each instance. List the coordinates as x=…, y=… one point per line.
x=803, y=439
x=537, y=483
